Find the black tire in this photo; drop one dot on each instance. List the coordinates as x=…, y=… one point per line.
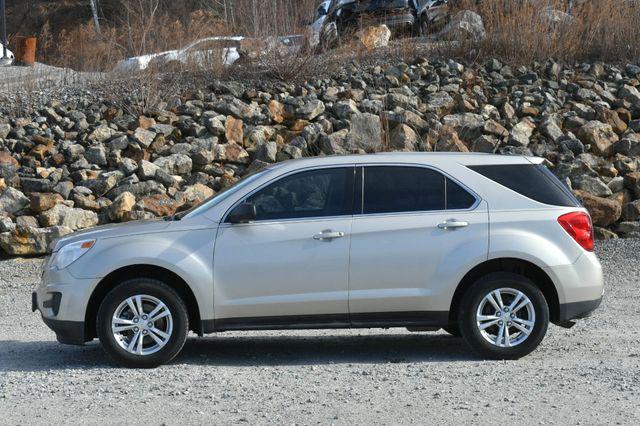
x=474, y=296
x=156, y=289
x=453, y=330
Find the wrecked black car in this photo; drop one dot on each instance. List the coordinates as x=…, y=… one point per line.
x=415, y=17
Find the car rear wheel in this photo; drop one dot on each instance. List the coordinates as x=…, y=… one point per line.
x=503, y=316
x=142, y=323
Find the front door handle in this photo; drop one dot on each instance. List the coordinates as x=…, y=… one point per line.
x=453, y=224
x=328, y=235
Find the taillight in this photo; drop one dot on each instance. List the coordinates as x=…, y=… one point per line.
x=578, y=225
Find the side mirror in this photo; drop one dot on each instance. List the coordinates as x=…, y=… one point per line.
x=242, y=213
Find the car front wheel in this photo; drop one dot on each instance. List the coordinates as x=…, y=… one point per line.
x=142, y=323
x=503, y=316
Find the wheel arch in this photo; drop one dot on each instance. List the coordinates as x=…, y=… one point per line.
x=514, y=265
x=142, y=271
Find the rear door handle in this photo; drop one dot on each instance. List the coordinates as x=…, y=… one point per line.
x=328, y=235
x=453, y=224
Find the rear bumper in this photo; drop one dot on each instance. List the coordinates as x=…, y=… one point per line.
x=581, y=281
x=577, y=310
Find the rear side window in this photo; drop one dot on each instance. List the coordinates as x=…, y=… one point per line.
x=457, y=197
x=396, y=189
x=390, y=189
x=534, y=181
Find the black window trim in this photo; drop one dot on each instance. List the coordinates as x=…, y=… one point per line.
x=283, y=176
x=471, y=192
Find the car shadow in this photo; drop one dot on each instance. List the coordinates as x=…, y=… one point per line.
x=250, y=350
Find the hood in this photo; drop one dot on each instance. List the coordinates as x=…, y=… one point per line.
x=115, y=230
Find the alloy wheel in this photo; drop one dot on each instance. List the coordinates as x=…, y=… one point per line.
x=505, y=317
x=142, y=324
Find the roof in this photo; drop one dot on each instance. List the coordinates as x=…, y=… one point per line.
x=428, y=158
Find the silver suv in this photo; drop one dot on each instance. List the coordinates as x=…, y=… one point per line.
x=490, y=248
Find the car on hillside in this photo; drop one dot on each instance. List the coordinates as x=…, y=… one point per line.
x=343, y=17
x=316, y=24
x=490, y=248
x=9, y=54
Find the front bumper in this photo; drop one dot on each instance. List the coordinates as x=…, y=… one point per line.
x=62, y=301
x=67, y=332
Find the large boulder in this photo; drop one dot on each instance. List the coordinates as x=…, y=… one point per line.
x=334, y=144
x=12, y=201
x=63, y=215
x=160, y=205
x=365, y=133
x=306, y=108
x=143, y=136
x=194, y=195
x=175, y=164
x=101, y=133
x=403, y=138
x=44, y=201
x=375, y=37
x=233, y=130
x=231, y=153
x=604, y=211
x=440, y=103
x=5, y=129
x=521, y=133
x=103, y=183
x=630, y=94
x=468, y=125
x=600, y=136
x=631, y=211
x=464, y=25
x=448, y=141
x=593, y=185
x=30, y=240
x=121, y=206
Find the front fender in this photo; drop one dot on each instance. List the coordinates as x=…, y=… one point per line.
x=187, y=253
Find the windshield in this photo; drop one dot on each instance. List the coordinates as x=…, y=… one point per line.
x=222, y=195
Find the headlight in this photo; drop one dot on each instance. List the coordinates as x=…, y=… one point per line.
x=69, y=254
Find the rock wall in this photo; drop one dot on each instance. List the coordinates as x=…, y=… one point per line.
x=83, y=162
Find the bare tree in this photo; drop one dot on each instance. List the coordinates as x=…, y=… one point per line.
x=94, y=12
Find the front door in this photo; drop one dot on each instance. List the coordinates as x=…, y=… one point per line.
x=290, y=267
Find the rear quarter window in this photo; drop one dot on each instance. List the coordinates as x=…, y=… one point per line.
x=533, y=181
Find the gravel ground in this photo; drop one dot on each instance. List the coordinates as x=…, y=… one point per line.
x=587, y=375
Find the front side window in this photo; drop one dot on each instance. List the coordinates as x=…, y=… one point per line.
x=310, y=194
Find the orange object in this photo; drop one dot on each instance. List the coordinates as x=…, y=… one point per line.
x=26, y=50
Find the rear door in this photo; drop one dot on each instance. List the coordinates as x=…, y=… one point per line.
x=417, y=233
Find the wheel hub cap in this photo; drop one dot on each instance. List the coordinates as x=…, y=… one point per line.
x=142, y=324
x=505, y=317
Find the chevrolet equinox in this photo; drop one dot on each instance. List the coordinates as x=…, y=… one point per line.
x=490, y=248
